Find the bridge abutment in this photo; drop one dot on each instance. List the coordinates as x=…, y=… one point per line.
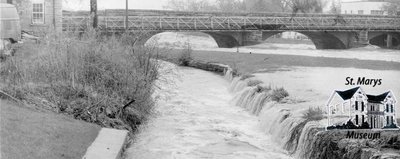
x=224, y=40
x=237, y=38
x=385, y=39
x=363, y=37
x=321, y=39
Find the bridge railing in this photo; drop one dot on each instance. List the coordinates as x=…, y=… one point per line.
x=212, y=22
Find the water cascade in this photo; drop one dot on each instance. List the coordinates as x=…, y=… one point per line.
x=288, y=129
x=301, y=135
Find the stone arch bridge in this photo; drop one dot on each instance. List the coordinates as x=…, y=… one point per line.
x=327, y=31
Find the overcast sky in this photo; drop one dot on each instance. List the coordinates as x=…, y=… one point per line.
x=117, y=4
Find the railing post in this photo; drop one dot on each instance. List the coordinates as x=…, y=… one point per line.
x=159, y=17
x=212, y=25
x=195, y=25
x=177, y=23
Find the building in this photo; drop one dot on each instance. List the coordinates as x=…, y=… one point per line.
x=38, y=15
x=373, y=7
x=358, y=107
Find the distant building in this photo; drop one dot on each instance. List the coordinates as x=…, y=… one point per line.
x=377, y=110
x=38, y=15
x=372, y=7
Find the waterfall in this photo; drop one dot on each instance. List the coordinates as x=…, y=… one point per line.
x=288, y=129
x=307, y=139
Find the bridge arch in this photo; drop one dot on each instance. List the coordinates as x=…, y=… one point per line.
x=384, y=39
x=321, y=39
x=223, y=40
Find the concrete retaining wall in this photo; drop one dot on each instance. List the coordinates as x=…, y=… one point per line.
x=109, y=144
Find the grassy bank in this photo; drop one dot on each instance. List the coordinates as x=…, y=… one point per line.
x=35, y=133
x=86, y=76
x=249, y=63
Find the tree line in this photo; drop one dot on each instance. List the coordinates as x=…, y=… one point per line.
x=295, y=6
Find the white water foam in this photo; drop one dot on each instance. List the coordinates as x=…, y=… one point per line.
x=198, y=121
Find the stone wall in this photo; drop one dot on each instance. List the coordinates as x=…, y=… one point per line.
x=213, y=67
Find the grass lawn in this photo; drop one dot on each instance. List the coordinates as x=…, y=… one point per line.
x=272, y=62
x=32, y=133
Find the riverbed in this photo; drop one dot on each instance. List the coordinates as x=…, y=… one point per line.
x=198, y=118
x=195, y=119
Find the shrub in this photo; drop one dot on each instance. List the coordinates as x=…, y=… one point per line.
x=87, y=76
x=246, y=76
x=252, y=83
x=349, y=125
x=391, y=126
x=313, y=114
x=278, y=94
x=263, y=88
x=185, y=56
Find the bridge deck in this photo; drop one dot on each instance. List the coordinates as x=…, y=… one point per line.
x=114, y=21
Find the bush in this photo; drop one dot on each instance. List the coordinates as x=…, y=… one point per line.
x=87, y=76
x=349, y=125
x=252, y=83
x=313, y=114
x=246, y=76
x=278, y=94
x=391, y=126
x=185, y=56
x=263, y=88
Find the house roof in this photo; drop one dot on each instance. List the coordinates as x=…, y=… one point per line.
x=377, y=98
x=347, y=94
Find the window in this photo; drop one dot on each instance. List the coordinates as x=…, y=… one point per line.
x=377, y=12
x=38, y=11
x=362, y=106
x=356, y=105
x=387, y=120
x=392, y=107
x=356, y=119
x=360, y=12
x=387, y=107
x=391, y=121
x=362, y=119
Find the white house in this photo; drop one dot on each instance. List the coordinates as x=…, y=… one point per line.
x=355, y=105
x=373, y=7
x=381, y=110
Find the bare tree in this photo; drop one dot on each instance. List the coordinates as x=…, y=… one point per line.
x=307, y=6
x=190, y=5
x=266, y=5
x=392, y=7
x=335, y=7
x=231, y=5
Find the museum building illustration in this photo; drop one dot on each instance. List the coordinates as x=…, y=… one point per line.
x=354, y=109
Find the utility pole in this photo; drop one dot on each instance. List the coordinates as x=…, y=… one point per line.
x=126, y=16
x=93, y=13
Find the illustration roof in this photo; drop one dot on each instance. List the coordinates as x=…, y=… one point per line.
x=377, y=98
x=347, y=94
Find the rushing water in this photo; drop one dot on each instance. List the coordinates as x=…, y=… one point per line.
x=198, y=119
x=204, y=115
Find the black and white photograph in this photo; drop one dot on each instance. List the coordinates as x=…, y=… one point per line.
x=199, y=79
